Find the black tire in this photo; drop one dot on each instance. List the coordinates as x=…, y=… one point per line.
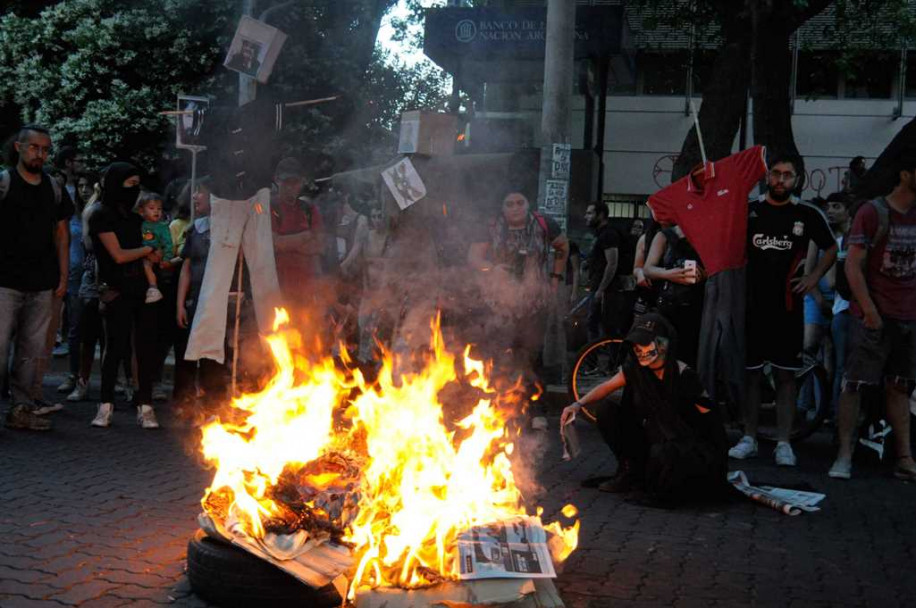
x=230, y=577
x=805, y=423
x=597, y=362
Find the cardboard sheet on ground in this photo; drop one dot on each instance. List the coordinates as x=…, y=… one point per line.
x=315, y=564
x=790, y=502
x=505, y=593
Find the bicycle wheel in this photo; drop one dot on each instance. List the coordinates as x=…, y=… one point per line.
x=597, y=362
x=811, y=406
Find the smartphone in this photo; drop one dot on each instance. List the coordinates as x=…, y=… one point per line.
x=691, y=265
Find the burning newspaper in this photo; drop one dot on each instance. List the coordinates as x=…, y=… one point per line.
x=510, y=549
x=790, y=502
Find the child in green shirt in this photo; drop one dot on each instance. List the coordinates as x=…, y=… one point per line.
x=156, y=235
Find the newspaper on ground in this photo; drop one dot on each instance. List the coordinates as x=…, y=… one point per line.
x=790, y=502
x=571, y=447
x=515, y=548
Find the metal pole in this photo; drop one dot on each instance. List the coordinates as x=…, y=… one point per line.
x=193, y=181
x=556, y=116
x=901, y=82
x=794, y=78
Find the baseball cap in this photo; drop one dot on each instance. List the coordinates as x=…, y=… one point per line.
x=289, y=167
x=647, y=328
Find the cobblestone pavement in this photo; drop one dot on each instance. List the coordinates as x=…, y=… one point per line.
x=102, y=517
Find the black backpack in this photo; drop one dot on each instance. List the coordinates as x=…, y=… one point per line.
x=884, y=224
x=5, y=185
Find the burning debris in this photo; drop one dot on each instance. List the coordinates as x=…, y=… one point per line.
x=323, y=459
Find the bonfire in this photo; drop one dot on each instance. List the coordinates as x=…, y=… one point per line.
x=375, y=466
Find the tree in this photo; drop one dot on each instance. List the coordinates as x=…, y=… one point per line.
x=99, y=72
x=757, y=33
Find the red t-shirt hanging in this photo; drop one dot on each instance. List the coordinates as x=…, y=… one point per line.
x=711, y=208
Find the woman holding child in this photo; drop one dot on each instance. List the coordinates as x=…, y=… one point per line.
x=117, y=239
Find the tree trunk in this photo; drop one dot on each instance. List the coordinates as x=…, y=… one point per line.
x=883, y=175
x=772, y=64
x=723, y=99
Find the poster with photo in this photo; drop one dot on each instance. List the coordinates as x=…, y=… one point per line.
x=254, y=49
x=404, y=183
x=192, y=112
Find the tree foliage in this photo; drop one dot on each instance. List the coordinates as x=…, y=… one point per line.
x=98, y=72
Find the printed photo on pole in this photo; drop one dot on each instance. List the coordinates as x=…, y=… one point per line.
x=404, y=183
x=254, y=49
x=192, y=112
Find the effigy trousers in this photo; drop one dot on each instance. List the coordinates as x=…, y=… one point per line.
x=234, y=224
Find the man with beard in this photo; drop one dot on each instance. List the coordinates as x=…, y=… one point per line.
x=665, y=432
x=779, y=231
x=881, y=268
x=34, y=262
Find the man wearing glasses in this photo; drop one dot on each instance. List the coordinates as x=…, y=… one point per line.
x=779, y=231
x=34, y=262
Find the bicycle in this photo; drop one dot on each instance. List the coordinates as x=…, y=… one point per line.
x=599, y=360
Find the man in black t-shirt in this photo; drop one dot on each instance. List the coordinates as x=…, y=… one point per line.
x=602, y=269
x=779, y=232
x=34, y=261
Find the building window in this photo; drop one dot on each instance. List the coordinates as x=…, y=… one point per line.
x=663, y=73
x=872, y=75
x=818, y=76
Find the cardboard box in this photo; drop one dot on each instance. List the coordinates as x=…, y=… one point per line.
x=429, y=133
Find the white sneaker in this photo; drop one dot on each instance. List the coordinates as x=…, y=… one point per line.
x=539, y=423
x=841, y=469
x=745, y=448
x=80, y=391
x=103, y=416
x=153, y=295
x=146, y=417
x=785, y=457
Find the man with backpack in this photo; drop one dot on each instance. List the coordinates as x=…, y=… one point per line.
x=519, y=284
x=34, y=261
x=881, y=270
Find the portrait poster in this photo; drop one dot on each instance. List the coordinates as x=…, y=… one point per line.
x=254, y=49
x=192, y=114
x=404, y=183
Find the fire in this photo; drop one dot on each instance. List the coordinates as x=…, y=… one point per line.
x=424, y=479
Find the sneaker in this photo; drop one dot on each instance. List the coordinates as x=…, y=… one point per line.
x=153, y=295
x=745, y=448
x=61, y=350
x=43, y=408
x=23, y=417
x=67, y=385
x=80, y=391
x=121, y=387
x=539, y=423
x=159, y=393
x=146, y=417
x=841, y=469
x=784, y=455
x=103, y=416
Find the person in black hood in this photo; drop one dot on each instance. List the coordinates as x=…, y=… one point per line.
x=667, y=435
x=118, y=244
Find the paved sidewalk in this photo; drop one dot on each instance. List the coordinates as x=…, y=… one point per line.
x=102, y=517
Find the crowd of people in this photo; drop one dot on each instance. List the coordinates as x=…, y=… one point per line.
x=98, y=261
x=829, y=281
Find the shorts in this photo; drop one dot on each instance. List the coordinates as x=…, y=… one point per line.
x=876, y=354
x=775, y=337
x=814, y=315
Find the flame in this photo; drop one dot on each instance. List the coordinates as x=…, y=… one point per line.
x=425, y=479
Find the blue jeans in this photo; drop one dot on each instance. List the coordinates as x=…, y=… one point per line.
x=839, y=328
x=27, y=314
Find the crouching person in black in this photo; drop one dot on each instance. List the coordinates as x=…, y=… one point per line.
x=667, y=435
